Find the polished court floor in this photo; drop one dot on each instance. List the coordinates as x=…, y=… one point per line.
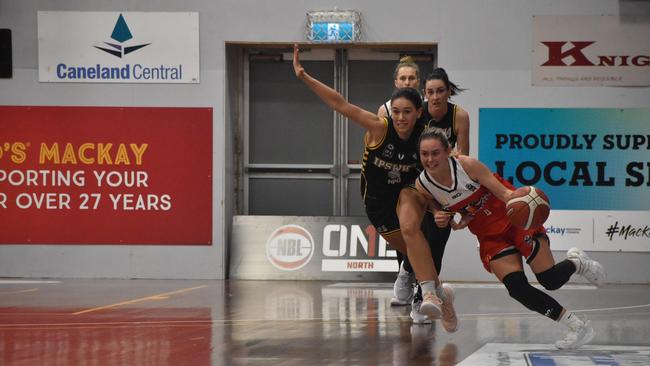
x=206, y=322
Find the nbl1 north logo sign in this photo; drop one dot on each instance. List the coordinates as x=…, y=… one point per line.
x=289, y=247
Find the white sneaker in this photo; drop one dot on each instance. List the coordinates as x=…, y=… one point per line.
x=403, y=288
x=416, y=314
x=585, y=267
x=449, y=318
x=431, y=305
x=580, y=333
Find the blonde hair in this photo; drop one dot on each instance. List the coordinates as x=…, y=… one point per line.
x=406, y=61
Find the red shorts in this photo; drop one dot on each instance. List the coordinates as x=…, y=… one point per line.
x=512, y=240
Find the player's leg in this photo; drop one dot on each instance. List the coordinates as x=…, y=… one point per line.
x=410, y=211
x=509, y=270
x=437, y=239
x=549, y=274
x=403, y=288
x=382, y=214
x=586, y=267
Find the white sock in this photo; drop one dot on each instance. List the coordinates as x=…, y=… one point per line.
x=402, y=270
x=428, y=286
x=569, y=319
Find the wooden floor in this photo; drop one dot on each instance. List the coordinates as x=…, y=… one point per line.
x=172, y=322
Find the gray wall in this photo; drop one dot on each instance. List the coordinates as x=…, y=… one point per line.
x=484, y=45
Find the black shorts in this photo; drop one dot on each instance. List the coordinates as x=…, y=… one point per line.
x=382, y=213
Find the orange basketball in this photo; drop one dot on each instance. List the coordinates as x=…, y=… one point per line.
x=528, y=207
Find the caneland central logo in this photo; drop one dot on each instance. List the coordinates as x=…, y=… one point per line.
x=121, y=33
x=290, y=247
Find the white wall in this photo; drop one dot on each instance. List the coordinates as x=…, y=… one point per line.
x=484, y=45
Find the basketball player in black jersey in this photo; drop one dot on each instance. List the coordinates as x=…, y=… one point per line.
x=390, y=156
x=389, y=164
x=443, y=114
x=406, y=75
x=455, y=122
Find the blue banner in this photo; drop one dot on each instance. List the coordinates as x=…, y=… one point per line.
x=584, y=159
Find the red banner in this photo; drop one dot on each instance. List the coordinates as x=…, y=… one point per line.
x=105, y=175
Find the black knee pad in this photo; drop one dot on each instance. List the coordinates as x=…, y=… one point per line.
x=532, y=298
x=517, y=285
x=556, y=276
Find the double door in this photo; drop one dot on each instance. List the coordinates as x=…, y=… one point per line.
x=300, y=157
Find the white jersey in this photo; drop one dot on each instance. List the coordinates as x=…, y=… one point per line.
x=462, y=186
x=469, y=197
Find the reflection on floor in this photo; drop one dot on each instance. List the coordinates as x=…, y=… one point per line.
x=136, y=322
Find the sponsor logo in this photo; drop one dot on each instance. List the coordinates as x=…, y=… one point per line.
x=393, y=166
x=388, y=151
x=561, y=231
x=528, y=239
x=121, y=33
x=394, y=176
x=353, y=248
x=129, y=72
x=627, y=231
x=570, y=53
x=290, y=247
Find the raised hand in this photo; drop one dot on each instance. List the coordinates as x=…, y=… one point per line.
x=297, y=67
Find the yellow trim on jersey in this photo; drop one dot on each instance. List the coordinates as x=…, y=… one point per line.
x=363, y=163
x=374, y=147
x=389, y=233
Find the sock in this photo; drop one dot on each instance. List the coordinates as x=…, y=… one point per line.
x=428, y=286
x=570, y=319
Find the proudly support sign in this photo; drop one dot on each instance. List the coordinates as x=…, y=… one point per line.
x=571, y=50
x=111, y=47
x=594, y=164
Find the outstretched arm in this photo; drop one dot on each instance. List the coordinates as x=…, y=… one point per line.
x=370, y=121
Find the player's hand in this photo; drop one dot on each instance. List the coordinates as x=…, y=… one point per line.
x=442, y=218
x=297, y=67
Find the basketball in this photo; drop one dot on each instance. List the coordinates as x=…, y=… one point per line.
x=528, y=208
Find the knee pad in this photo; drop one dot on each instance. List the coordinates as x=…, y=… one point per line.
x=532, y=298
x=517, y=285
x=556, y=276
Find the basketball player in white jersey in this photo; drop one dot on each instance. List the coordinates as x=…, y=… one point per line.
x=461, y=184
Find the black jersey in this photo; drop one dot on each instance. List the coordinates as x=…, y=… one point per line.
x=391, y=164
x=447, y=123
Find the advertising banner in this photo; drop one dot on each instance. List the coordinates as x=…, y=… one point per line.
x=594, y=165
x=113, y=47
x=105, y=175
x=591, y=50
x=293, y=247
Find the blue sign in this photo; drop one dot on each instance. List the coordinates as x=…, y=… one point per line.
x=583, y=159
